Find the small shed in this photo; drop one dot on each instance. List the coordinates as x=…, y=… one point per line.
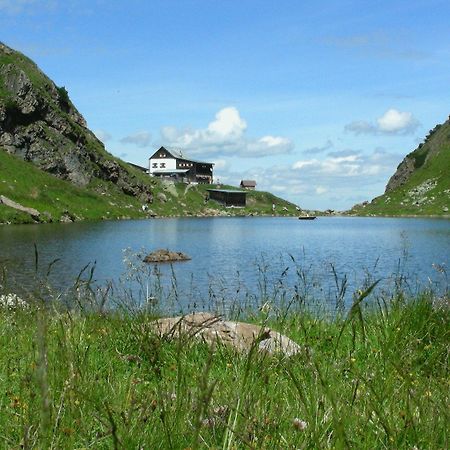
x=248, y=184
x=228, y=197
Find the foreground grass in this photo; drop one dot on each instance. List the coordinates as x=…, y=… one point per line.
x=73, y=380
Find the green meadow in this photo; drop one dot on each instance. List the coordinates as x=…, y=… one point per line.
x=375, y=376
x=25, y=184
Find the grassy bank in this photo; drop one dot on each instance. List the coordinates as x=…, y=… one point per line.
x=54, y=198
x=25, y=184
x=376, y=378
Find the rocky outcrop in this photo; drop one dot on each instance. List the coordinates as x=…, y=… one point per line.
x=241, y=336
x=162, y=255
x=425, y=152
x=401, y=175
x=39, y=124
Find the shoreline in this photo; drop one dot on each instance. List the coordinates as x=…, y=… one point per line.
x=224, y=216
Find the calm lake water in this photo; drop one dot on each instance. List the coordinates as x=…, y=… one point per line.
x=237, y=259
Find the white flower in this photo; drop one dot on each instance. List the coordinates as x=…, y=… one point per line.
x=299, y=424
x=12, y=301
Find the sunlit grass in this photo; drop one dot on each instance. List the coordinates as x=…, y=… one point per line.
x=78, y=377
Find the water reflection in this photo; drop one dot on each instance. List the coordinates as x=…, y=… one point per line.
x=236, y=254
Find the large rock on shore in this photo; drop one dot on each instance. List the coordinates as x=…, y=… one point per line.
x=213, y=329
x=34, y=213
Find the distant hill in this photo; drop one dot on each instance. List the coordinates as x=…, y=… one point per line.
x=421, y=184
x=51, y=162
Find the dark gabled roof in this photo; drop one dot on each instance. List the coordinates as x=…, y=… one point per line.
x=179, y=155
x=248, y=183
x=144, y=169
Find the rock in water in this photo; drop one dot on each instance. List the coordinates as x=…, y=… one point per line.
x=212, y=329
x=162, y=255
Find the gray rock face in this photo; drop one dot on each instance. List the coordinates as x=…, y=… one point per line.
x=401, y=175
x=214, y=330
x=39, y=124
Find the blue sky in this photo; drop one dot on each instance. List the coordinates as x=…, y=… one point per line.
x=316, y=101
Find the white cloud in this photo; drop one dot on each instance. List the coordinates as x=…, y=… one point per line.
x=392, y=122
x=301, y=164
x=141, y=139
x=221, y=164
x=321, y=190
x=352, y=165
x=228, y=124
x=102, y=135
x=225, y=135
x=336, y=181
x=323, y=148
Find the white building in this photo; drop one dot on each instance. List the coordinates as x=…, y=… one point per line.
x=165, y=163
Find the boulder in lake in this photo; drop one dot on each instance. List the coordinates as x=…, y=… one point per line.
x=163, y=255
x=212, y=329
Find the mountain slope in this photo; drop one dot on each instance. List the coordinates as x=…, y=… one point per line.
x=421, y=184
x=56, y=199
x=39, y=124
x=51, y=162
x=60, y=200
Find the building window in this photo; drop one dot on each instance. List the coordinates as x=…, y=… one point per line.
x=154, y=165
x=162, y=165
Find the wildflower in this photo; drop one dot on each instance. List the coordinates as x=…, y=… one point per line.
x=12, y=301
x=209, y=422
x=299, y=424
x=221, y=411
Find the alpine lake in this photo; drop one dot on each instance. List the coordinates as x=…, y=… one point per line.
x=235, y=262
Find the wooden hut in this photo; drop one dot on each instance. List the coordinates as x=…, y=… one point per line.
x=250, y=185
x=228, y=197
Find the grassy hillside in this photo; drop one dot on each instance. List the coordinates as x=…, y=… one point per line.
x=426, y=190
x=54, y=198
x=51, y=161
x=25, y=184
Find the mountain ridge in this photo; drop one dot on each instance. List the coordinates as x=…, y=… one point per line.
x=421, y=184
x=40, y=124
